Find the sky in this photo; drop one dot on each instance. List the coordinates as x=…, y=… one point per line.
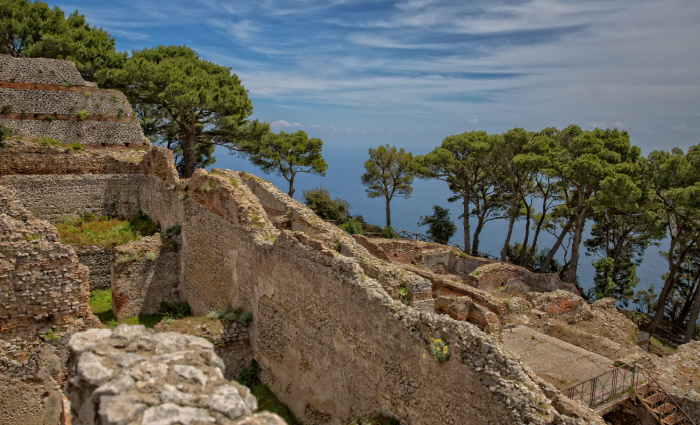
x=358, y=73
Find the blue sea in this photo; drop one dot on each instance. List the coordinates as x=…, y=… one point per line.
x=346, y=165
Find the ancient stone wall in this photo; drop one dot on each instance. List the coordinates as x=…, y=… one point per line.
x=52, y=197
x=45, y=98
x=144, y=274
x=43, y=288
x=28, y=158
x=96, y=258
x=39, y=70
x=313, y=308
x=130, y=375
x=328, y=330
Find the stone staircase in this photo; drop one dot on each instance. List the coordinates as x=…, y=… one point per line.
x=660, y=404
x=603, y=393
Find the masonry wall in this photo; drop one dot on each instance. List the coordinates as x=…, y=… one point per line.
x=45, y=98
x=51, y=197
x=332, y=343
x=42, y=285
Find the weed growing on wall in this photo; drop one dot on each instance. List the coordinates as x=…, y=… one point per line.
x=52, y=335
x=81, y=115
x=439, y=349
x=4, y=135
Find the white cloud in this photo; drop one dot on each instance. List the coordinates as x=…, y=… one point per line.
x=282, y=125
x=682, y=128
x=474, y=121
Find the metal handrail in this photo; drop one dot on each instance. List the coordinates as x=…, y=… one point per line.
x=593, y=392
x=603, y=387
x=651, y=379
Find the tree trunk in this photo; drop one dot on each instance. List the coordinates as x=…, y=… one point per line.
x=687, y=304
x=504, y=250
x=578, y=232
x=188, y=155
x=477, y=232
x=291, y=187
x=556, y=246
x=388, y=213
x=663, y=296
x=693, y=319
x=533, y=248
x=465, y=224
x=523, y=250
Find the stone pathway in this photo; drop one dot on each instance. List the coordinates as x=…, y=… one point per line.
x=557, y=362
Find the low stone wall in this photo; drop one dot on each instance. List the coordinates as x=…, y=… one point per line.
x=42, y=286
x=453, y=261
x=96, y=258
x=52, y=197
x=144, y=274
x=63, y=102
x=87, y=132
x=39, y=70
x=131, y=375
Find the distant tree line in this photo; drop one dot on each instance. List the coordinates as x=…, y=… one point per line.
x=559, y=181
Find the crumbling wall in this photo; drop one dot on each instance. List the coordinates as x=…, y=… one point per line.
x=679, y=375
x=96, y=259
x=144, y=274
x=313, y=308
x=131, y=375
x=52, y=197
x=26, y=158
x=42, y=285
x=332, y=339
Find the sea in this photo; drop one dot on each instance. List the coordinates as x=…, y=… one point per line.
x=342, y=180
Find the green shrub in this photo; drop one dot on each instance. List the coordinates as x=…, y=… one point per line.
x=74, y=147
x=176, y=311
x=47, y=141
x=320, y=202
x=389, y=233
x=352, y=226
x=6, y=110
x=171, y=231
x=142, y=224
x=249, y=375
x=151, y=256
x=4, y=134
x=81, y=115
x=245, y=317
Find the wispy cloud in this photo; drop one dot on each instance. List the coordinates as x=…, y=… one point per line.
x=413, y=67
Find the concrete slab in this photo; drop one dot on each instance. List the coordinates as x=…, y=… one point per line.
x=557, y=362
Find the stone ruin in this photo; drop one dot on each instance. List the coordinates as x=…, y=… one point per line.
x=340, y=328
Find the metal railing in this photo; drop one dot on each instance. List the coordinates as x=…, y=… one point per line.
x=644, y=377
x=614, y=384
x=604, y=387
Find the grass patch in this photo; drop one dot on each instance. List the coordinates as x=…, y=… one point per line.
x=661, y=348
x=100, y=303
x=267, y=400
x=104, y=231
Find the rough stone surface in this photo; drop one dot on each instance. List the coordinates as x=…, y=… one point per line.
x=24, y=159
x=39, y=70
x=679, y=375
x=42, y=286
x=332, y=338
x=131, y=375
x=144, y=273
x=96, y=259
x=42, y=98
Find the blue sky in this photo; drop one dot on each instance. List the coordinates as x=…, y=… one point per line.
x=409, y=73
